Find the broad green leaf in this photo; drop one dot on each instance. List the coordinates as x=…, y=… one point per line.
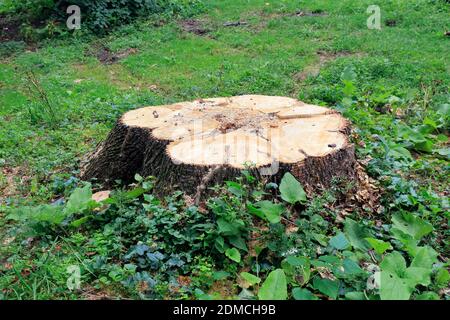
x=135, y=193
x=348, y=90
x=227, y=228
x=291, y=190
x=303, y=294
x=399, y=152
x=320, y=238
x=45, y=213
x=348, y=74
x=393, y=287
x=444, y=109
x=274, y=287
x=332, y=260
x=351, y=267
x=80, y=200
x=442, y=278
x=356, y=234
x=220, y=275
x=411, y=225
x=445, y=152
x=327, y=287
x=425, y=146
x=339, y=242
x=219, y=244
x=271, y=211
x=233, y=254
x=424, y=257
x=379, y=246
x=77, y=223
x=255, y=211
x=355, y=295
x=238, y=242
x=297, y=261
x=394, y=263
x=250, y=278
x=235, y=188
x=415, y=276
x=245, y=294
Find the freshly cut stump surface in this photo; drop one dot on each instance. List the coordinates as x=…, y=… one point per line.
x=190, y=146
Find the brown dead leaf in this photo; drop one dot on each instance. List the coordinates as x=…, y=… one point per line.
x=184, y=281
x=7, y=266
x=101, y=195
x=325, y=273
x=9, y=240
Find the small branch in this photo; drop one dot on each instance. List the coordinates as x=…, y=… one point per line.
x=235, y=24
x=205, y=180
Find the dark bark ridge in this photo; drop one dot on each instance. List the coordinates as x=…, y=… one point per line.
x=131, y=149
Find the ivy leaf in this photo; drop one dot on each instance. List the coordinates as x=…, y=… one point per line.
x=339, y=242
x=291, y=190
x=327, y=287
x=274, y=287
x=233, y=254
x=411, y=225
x=303, y=294
x=379, y=246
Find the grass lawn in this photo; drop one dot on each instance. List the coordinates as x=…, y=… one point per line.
x=60, y=98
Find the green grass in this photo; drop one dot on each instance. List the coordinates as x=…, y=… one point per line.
x=408, y=61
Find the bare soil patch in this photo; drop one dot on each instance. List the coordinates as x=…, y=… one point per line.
x=194, y=26
x=10, y=180
x=106, y=56
x=306, y=13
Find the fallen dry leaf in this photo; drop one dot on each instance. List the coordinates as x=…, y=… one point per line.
x=101, y=195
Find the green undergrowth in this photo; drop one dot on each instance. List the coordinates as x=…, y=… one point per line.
x=249, y=240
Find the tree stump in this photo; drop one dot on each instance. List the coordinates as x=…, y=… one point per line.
x=190, y=146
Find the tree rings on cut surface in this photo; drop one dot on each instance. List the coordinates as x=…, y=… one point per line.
x=193, y=145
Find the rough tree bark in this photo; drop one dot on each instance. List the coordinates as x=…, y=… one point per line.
x=193, y=145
